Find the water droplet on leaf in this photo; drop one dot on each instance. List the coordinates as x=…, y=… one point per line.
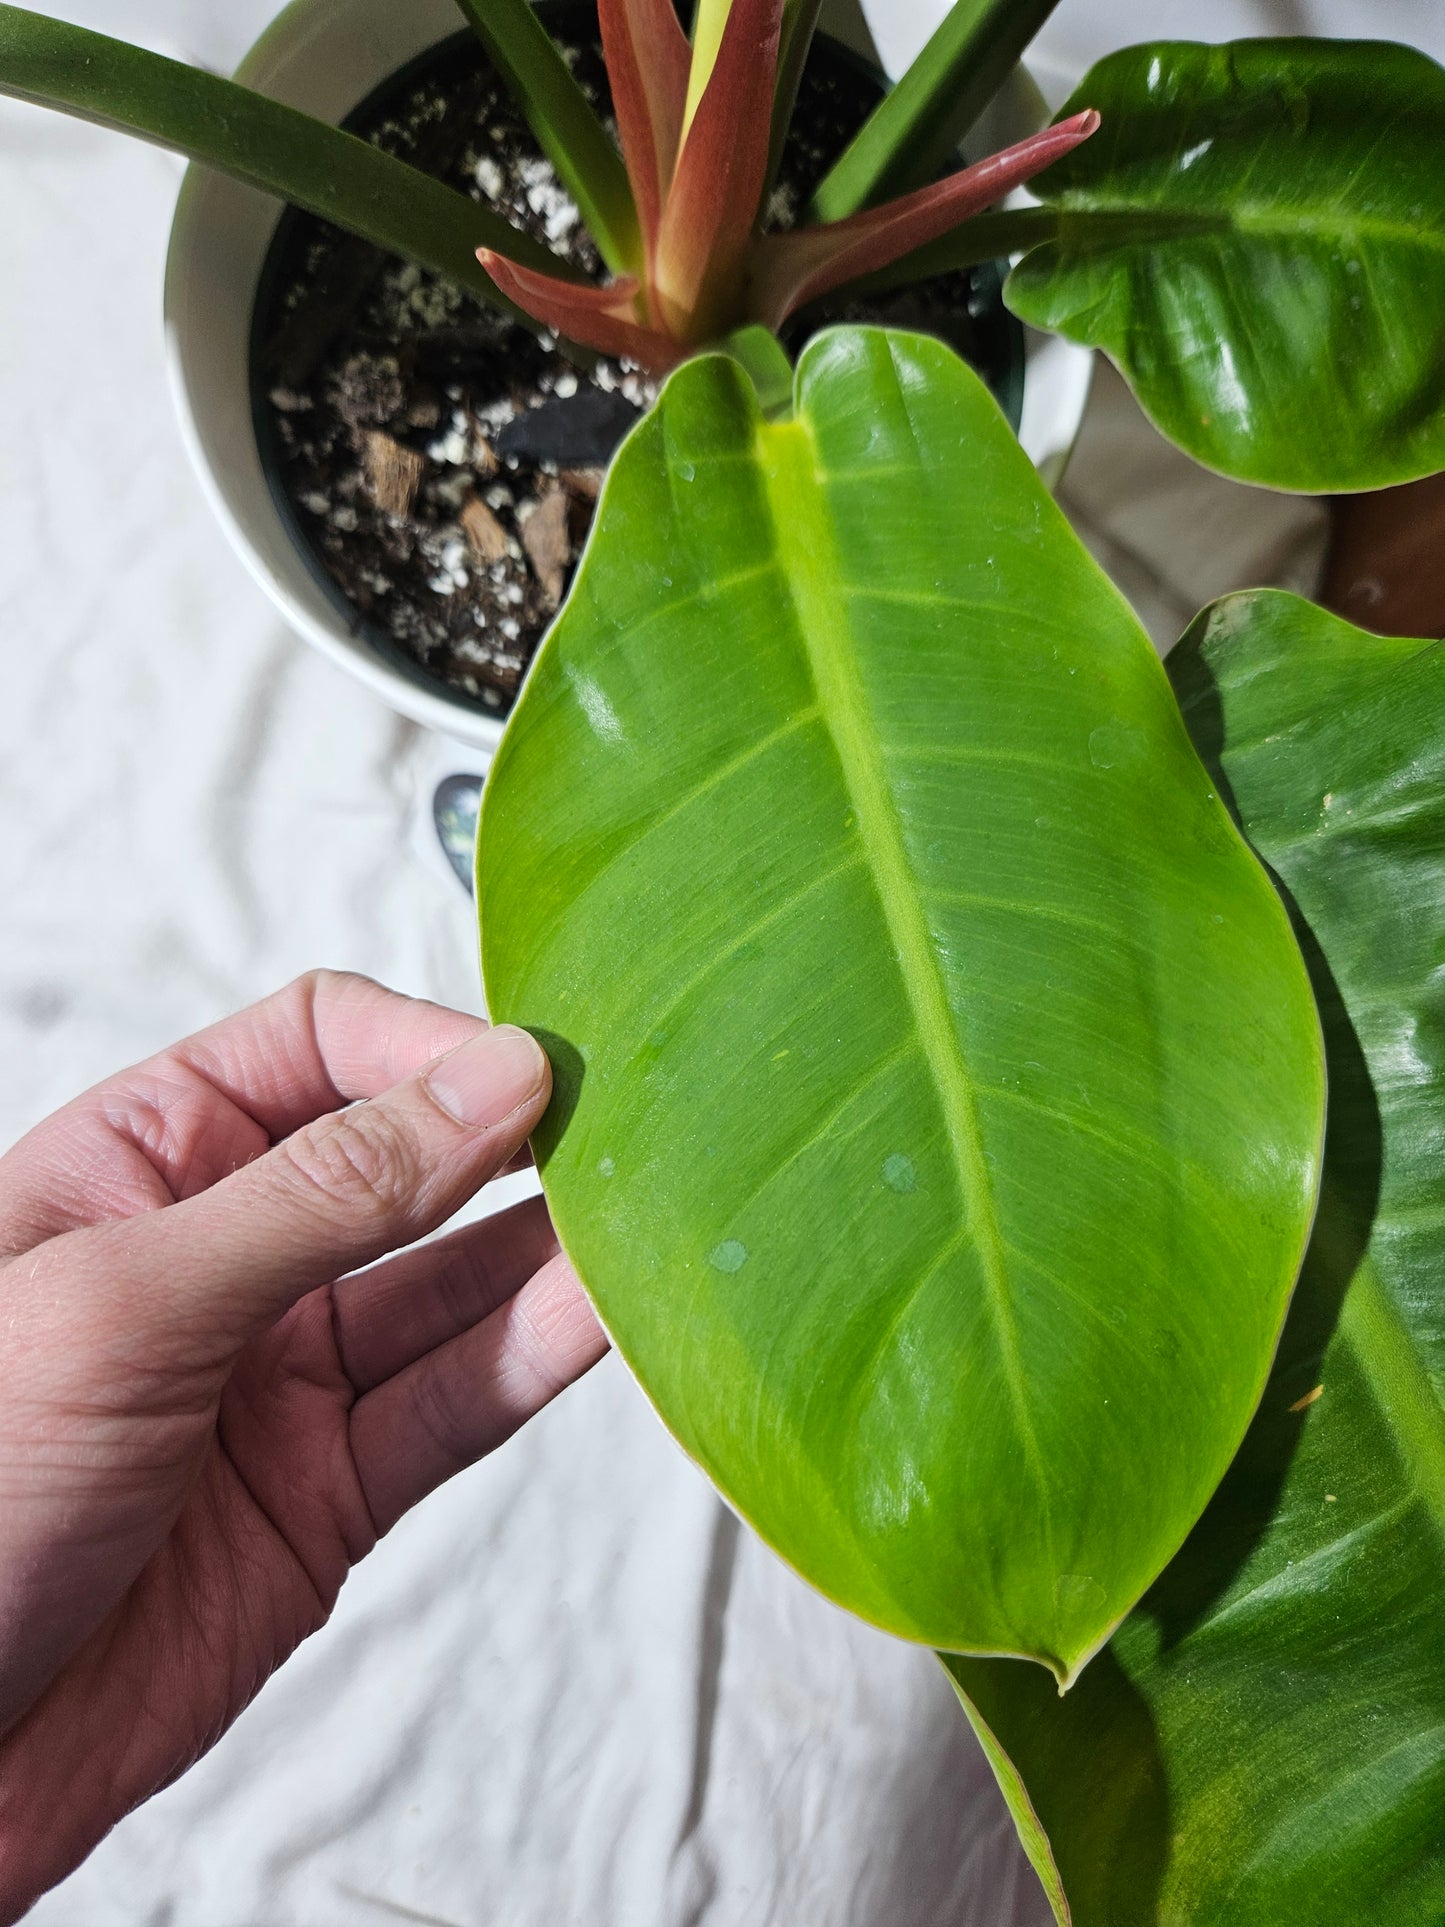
x=1078, y=1592
x=729, y=1256
x=899, y=1173
x=1114, y=745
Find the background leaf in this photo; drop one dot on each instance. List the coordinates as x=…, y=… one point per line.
x=1257, y=238
x=562, y=118
x=795, y=40
x=1263, y=1742
x=939, y=1083
x=336, y=175
x=914, y=131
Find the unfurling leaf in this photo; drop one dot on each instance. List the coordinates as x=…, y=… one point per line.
x=699, y=180
x=711, y=272
x=716, y=190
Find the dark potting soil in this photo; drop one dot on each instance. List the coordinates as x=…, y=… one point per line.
x=442, y=463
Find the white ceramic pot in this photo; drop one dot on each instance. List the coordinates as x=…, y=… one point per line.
x=326, y=56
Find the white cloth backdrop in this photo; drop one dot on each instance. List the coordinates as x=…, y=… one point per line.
x=569, y=1688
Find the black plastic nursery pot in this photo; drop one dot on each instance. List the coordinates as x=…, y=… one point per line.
x=436, y=464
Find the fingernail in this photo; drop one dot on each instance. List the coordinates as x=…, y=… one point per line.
x=489, y=1077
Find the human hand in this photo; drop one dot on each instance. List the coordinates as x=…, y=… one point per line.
x=201, y=1431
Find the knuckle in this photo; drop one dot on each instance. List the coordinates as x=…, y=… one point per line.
x=307, y=984
x=465, y=1288
x=358, y=1161
x=304, y=993
x=315, y=990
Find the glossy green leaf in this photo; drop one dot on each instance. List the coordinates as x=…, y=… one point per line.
x=1257, y=238
x=314, y=166
x=917, y=126
x=1262, y=1744
x=562, y=118
x=938, y=1084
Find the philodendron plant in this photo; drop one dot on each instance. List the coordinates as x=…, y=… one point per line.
x=940, y=1108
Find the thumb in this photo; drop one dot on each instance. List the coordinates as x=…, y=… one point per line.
x=218, y=1268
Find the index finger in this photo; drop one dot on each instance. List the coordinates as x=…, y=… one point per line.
x=177, y=1123
x=329, y=1038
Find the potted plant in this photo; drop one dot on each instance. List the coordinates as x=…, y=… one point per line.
x=231, y=275
x=940, y=1114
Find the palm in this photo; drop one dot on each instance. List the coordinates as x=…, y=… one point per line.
x=272, y=1521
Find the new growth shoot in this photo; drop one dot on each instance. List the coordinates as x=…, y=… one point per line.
x=700, y=127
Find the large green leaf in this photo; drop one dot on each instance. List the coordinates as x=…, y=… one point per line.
x=939, y=1084
x=1262, y=1744
x=1257, y=237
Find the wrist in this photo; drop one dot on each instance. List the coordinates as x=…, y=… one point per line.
x=57, y=1803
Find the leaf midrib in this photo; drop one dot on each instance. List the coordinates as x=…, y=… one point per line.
x=811, y=567
x=1111, y=221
